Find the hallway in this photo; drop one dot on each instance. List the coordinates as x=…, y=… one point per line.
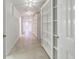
x=39, y=29
x=31, y=50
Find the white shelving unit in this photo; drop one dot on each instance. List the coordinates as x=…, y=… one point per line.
x=47, y=28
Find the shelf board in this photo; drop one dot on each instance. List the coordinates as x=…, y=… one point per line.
x=54, y=20
x=48, y=32
x=45, y=22
x=54, y=6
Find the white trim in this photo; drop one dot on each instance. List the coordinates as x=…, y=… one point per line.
x=20, y=33
x=45, y=4
x=34, y=34
x=52, y=29
x=41, y=23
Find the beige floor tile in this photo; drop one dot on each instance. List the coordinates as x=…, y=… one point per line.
x=28, y=49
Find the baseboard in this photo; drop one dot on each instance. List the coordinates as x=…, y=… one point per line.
x=35, y=35
x=45, y=52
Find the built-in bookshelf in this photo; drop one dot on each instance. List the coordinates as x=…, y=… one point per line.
x=47, y=28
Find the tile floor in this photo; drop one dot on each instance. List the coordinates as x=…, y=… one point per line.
x=27, y=49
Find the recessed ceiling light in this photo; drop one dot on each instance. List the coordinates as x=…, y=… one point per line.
x=30, y=0
x=29, y=3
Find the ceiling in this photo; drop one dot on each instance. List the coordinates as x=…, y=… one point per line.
x=24, y=6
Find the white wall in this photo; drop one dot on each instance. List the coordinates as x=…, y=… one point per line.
x=12, y=26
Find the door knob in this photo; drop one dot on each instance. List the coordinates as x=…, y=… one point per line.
x=56, y=36
x=4, y=35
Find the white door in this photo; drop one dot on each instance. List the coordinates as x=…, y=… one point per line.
x=65, y=30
